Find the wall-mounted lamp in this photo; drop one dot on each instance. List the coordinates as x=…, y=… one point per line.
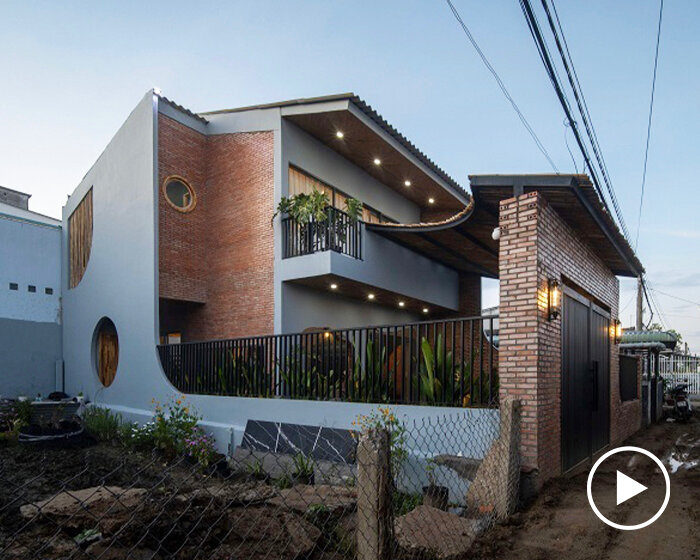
x=553, y=299
x=617, y=331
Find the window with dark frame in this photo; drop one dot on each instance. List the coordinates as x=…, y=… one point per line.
x=14, y=286
x=31, y=288
x=48, y=291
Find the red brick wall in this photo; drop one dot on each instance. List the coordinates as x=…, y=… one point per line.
x=221, y=253
x=240, y=298
x=182, y=151
x=536, y=244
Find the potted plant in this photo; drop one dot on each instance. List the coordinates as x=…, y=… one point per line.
x=434, y=495
x=307, y=210
x=303, y=469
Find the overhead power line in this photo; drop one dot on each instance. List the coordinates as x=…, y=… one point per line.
x=502, y=86
x=651, y=112
x=676, y=297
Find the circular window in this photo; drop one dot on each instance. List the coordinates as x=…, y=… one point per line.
x=179, y=193
x=106, y=351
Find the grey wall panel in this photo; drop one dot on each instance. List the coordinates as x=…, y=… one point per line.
x=28, y=354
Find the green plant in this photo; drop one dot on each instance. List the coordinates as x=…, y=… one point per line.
x=385, y=419
x=284, y=481
x=102, y=423
x=200, y=446
x=353, y=208
x=255, y=468
x=433, y=363
x=304, y=207
x=404, y=502
x=303, y=466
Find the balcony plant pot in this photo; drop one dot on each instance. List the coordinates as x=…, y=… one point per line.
x=436, y=496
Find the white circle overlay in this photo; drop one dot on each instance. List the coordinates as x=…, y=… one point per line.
x=634, y=450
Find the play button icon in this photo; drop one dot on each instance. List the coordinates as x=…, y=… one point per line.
x=627, y=488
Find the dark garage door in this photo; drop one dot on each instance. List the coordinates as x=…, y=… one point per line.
x=585, y=378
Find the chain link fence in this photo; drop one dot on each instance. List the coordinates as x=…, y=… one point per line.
x=420, y=489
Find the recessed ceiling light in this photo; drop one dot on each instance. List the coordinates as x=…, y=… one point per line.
x=334, y=286
x=407, y=183
x=431, y=200
x=339, y=134
x=401, y=304
x=370, y=296
x=377, y=161
x=425, y=310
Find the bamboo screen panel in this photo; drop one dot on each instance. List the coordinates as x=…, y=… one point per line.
x=108, y=357
x=80, y=239
x=302, y=183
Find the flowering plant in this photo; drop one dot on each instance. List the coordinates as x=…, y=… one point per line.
x=200, y=446
x=385, y=419
x=173, y=431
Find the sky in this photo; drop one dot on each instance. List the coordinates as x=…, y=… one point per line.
x=72, y=71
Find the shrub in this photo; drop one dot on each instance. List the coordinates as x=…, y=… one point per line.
x=385, y=419
x=173, y=431
x=102, y=423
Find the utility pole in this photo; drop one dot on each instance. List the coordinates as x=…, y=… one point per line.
x=640, y=303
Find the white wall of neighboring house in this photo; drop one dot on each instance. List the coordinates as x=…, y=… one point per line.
x=30, y=315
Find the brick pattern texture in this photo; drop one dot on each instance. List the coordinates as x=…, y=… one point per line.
x=221, y=254
x=536, y=244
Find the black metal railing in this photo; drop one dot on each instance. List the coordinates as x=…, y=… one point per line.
x=444, y=363
x=338, y=232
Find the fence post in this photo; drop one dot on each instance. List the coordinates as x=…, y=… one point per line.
x=374, y=512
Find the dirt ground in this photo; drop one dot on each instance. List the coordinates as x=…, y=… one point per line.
x=561, y=524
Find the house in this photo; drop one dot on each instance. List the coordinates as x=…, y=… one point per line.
x=178, y=277
x=30, y=301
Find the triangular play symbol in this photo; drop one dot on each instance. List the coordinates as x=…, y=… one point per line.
x=627, y=488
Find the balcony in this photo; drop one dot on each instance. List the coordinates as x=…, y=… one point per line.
x=338, y=233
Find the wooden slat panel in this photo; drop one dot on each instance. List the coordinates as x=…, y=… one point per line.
x=80, y=239
x=108, y=357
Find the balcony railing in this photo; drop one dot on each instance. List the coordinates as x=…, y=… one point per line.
x=441, y=363
x=338, y=232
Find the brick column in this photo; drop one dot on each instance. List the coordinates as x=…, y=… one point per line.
x=518, y=316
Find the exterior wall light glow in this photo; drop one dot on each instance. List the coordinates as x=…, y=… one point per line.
x=370, y=296
x=553, y=299
x=339, y=134
x=407, y=183
x=425, y=310
x=401, y=304
x=377, y=161
x=617, y=331
x=431, y=200
x=334, y=286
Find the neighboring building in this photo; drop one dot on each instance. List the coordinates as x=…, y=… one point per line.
x=177, y=278
x=30, y=298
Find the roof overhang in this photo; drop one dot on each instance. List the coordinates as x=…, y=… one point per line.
x=573, y=197
x=366, y=137
x=465, y=240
